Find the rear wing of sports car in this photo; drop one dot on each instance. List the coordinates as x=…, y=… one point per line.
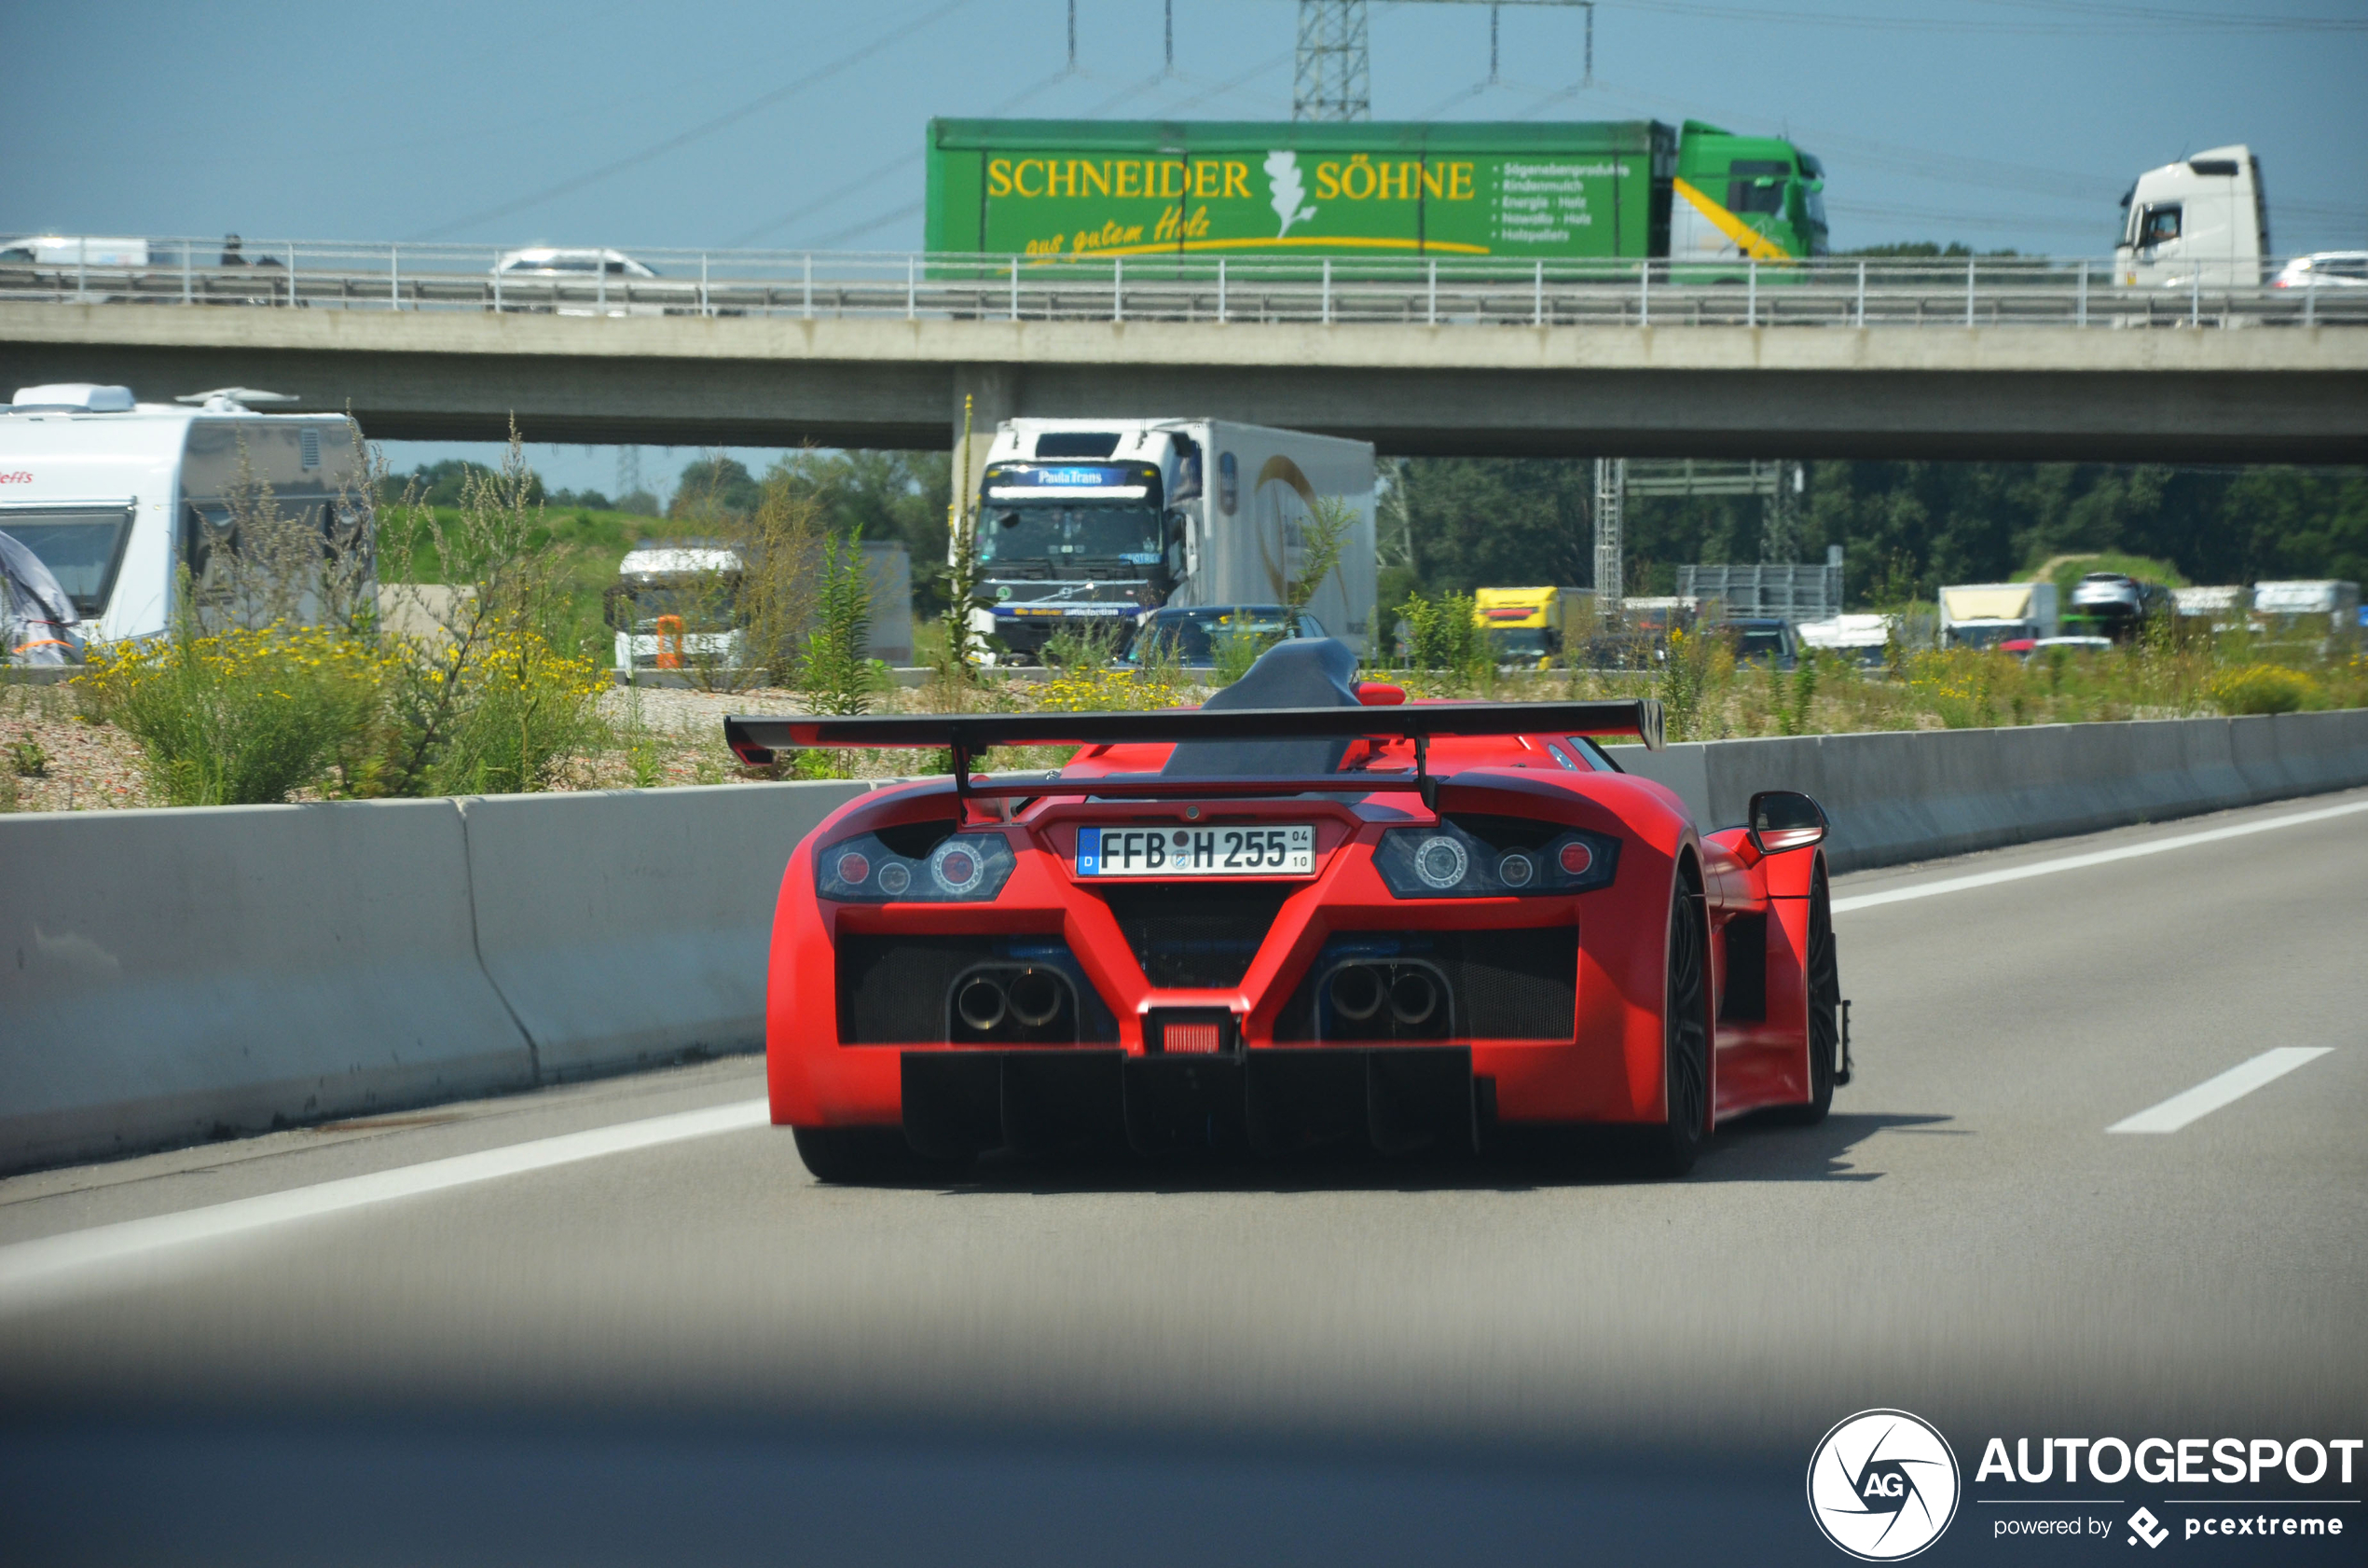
x=755, y=737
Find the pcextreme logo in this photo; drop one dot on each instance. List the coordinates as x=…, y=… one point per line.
x=1882, y=1485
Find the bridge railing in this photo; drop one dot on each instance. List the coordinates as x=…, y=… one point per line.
x=1445, y=291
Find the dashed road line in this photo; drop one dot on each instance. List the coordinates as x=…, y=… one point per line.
x=2214, y=1092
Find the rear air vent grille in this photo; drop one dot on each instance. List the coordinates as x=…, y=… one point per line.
x=1188, y=937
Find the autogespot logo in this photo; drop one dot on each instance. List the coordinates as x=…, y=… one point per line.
x=1883, y=1485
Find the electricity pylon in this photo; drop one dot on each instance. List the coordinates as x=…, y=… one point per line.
x=1332, y=80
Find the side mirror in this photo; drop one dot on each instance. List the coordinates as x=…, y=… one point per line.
x=617, y=607
x=1782, y=819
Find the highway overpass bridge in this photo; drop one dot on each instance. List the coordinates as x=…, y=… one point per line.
x=2174, y=392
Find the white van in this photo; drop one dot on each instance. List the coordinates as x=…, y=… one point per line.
x=115, y=495
x=73, y=250
x=2198, y=223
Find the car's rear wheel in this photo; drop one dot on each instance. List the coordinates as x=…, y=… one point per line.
x=857, y=1156
x=1825, y=1008
x=1673, y=1146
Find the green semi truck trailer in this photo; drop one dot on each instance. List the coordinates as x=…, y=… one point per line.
x=1073, y=190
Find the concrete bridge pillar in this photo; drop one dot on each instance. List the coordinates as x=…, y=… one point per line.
x=987, y=395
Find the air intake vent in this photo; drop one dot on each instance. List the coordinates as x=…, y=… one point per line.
x=1077, y=444
x=309, y=442
x=1193, y=937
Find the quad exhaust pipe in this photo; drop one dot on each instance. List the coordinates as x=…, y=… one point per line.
x=1356, y=992
x=1035, y=997
x=981, y=1003
x=1414, y=996
x=1032, y=997
x=1411, y=992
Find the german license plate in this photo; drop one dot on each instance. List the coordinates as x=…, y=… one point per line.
x=1266, y=849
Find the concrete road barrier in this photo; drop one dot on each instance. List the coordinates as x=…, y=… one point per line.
x=171, y=976
x=627, y=927
x=1922, y=794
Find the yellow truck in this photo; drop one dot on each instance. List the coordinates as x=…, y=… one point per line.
x=1525, y=626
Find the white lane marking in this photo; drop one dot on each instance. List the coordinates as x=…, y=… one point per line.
x=52, y=1269
x=2214, y=1092
x=2095, y=858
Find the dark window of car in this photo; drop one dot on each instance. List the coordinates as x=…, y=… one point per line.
x=81, y=545
x=2160, y=224
x=2343, y=267
x=617, y=270
x=1190, y=634
x=1592, y=756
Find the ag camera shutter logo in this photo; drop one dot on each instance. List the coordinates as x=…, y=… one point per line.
x=1883, y=1485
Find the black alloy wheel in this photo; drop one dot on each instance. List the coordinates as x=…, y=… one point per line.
x=1674, y=1145
x=1825, y=979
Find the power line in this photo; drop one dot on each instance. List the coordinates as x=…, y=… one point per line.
x=892, y=166
x=866, y=227
x=705, y=127
x=2115, y=21
x=1217, y=89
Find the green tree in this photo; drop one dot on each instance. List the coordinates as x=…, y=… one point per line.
x=714, y=486
x=887, y=495
x=441, y=484
x=1498, y=522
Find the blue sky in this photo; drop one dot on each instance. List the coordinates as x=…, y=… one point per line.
x=2000, y=123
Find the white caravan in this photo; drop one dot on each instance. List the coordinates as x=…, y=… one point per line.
x=2202, y=223
x=1095, y=523
x=115, y=496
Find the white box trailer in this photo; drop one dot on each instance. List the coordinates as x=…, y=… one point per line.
x=1984, y=615
x=1093, y=523
x=2323, y=608
x=115, y=495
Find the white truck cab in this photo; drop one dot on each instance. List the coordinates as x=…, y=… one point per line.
x=2201, y=223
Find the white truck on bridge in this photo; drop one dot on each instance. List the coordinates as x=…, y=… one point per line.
x=2199, y=222
x=1090, y=524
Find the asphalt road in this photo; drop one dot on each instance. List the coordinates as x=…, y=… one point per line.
x=689, y=1349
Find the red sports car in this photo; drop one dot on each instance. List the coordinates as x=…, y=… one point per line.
x=1306, y=913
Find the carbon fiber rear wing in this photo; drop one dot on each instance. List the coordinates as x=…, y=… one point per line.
x=755, y=737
